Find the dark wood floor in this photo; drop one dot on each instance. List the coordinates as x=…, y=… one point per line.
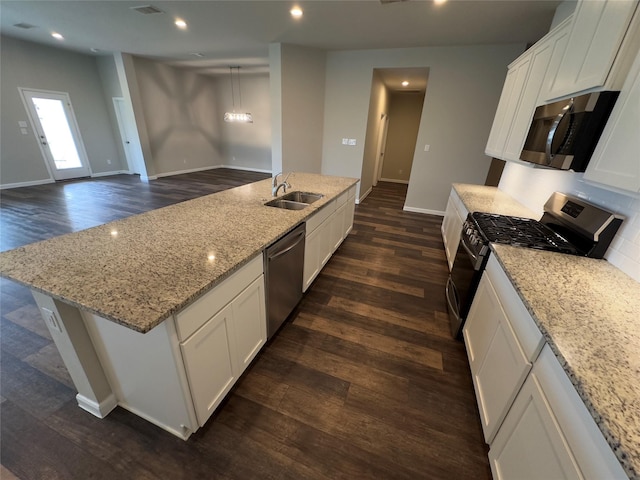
x=363, y=381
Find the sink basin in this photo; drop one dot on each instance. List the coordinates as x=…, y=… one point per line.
x=286, y=204
x=302, y=197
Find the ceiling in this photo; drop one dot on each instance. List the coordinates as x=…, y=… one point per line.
x=238, y=32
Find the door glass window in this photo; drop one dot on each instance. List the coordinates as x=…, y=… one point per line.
x=57, y=132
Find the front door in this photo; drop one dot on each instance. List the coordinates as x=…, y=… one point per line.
x=55, y=125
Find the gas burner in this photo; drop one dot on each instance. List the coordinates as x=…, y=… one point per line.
x=521, y=232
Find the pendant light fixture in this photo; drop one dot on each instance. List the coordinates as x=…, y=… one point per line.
x=233, y=117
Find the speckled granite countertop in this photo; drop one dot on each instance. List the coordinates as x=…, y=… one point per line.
x=480, y=198
x=140, y=270
x=589, y=313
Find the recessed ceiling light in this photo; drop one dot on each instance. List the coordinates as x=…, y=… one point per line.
x=296, y=12
x=57, y=36
x=95, y=50
x=405, y=83
x=197, y=54
x=180, y=23
x=439, y=2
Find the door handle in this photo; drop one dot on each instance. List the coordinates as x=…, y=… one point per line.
x=127, y=142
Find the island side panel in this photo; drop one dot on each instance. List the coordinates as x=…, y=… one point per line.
x=146, y=372
x=68, y=330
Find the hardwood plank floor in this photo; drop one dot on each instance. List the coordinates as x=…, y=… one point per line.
x=363, y=381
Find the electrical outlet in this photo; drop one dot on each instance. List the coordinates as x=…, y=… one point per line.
x=108, y=161
x=51, y=319
x=427, y=148
x=22, y=124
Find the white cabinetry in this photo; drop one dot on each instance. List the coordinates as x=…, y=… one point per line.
x=326, y=230
x=221, y=333
x=549, y=433
x=507, y=106
x=521, y=94
x=451, y=227
x=501, y=341
x=616, y=159
x=597, y=32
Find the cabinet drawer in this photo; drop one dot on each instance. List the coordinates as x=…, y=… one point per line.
x=525, y=329
x=196, y=314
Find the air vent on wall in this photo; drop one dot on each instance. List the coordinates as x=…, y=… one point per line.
x=147, y=9
x=25, y=26
x=384, y=2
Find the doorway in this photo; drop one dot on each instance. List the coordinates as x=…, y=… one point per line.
x=129, y=137
x=56, y=128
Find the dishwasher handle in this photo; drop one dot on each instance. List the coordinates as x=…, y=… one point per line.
x=273, y=255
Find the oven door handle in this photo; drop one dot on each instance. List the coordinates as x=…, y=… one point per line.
x=568, y=108
x=452, y=297
x=467, y=247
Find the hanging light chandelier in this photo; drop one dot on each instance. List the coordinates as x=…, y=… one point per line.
x=233, y=117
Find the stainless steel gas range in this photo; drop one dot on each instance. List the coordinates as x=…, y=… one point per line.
x=569, y=225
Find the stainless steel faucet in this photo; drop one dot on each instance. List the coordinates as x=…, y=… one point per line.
x=276, y=186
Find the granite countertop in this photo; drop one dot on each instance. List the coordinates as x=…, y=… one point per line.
x=480, y=198
x=140, y=270
x=588, y=311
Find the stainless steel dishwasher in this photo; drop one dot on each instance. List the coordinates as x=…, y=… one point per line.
x=284, y=263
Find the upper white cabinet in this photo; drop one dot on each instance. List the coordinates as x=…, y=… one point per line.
x=597, y=32
x=508, y=104
x=451, y=227
x=616, y=159
x=521, y=93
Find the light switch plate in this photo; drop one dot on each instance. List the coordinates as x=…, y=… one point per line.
x=345, y=141
x=352, y=141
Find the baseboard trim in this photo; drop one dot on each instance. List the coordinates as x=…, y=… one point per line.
x=181, y=172
x=109, y=174
x=423, y=210
x=182, y=434
x=245, y=169
x=365, y=195
x=26, y=184
x=393, y=180
x=99, y=410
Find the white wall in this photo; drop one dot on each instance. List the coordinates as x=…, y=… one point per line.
x=378, y=105
x=246, y=145
x=533, y=186
x=460, y=102
x=297, y=98
x=30, y=65
x=182, y=115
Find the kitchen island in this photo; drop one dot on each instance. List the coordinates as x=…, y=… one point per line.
x=112, y=296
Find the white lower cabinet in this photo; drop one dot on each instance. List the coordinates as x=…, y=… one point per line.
x=326, y=230
x=498, y=363
x=210, y=363
x=221, y=333
x=549, y=433
x=532, y=417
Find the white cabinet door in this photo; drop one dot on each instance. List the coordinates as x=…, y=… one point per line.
x=541, y=54
x=509, y=99
x=351, y=208
x=498, y=364
x=337, y=227
x=530, y=444
x=249, y=323
x=210, y=365
x=616, y=159
x=598, y=29
x=312, y=258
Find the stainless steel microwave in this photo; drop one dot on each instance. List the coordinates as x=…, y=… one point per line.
x=564, y=134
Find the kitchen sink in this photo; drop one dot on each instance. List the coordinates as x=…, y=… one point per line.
x=302, y=197
x=286, y=204
x=294, y=200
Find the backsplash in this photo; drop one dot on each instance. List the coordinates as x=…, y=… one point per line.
x=533, y=186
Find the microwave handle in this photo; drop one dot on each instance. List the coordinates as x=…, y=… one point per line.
x=554, y=127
